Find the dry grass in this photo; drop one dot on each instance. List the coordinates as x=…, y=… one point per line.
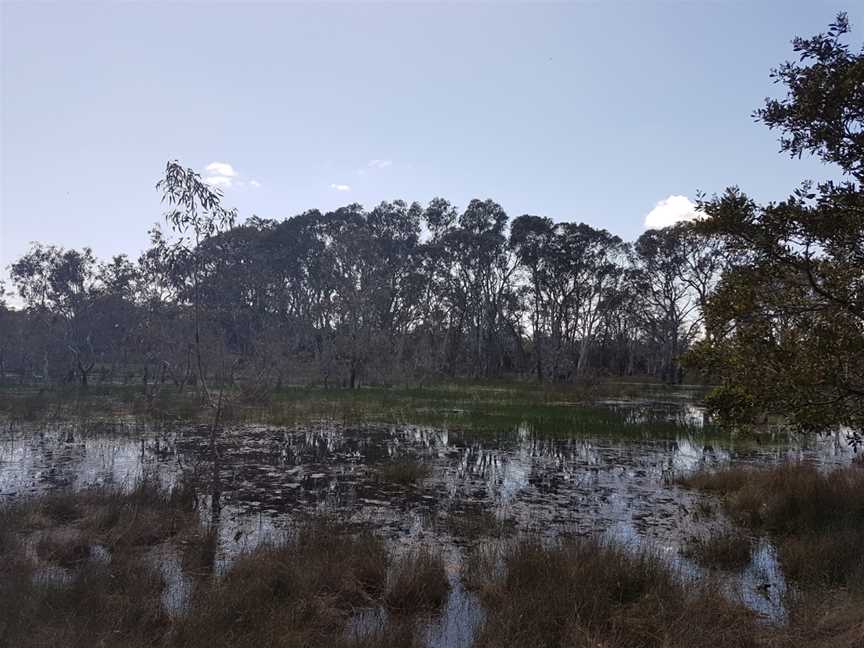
x=146, y=515
x=395, y=633
x=728, y=549
x=31, y=405
x=789, y=498
x=418, y=583
x=63, y=547
x=584, y=593
x=816, y=519
x=303, y=592
x=115, y=602
x=720, y=482
x=826, y=620
x=297, y=593
x=103, y=605
x=704, y=510
x=198, y=554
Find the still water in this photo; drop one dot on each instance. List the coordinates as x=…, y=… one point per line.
x=269, y=478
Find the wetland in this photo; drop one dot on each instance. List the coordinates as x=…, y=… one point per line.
x=442, y=491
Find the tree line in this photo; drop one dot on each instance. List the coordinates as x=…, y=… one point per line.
x=401, y=292
x=765, y=301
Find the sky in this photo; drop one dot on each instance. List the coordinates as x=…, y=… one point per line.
x=610, y=113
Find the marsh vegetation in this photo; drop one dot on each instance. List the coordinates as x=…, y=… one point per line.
x=425, y=426
x=330, y=529
x=124, y=566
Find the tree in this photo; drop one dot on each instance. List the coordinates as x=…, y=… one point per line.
x=670, y=306
x=474, y=272
x=823, y=110
x=62, y=288
x=789, y=318
x=193, y=207
x=5, y=330
x=531, y=238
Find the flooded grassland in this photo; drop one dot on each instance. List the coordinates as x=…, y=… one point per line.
x=463, y=474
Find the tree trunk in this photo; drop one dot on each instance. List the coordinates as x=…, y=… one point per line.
x=537, y=353
x=584, y=347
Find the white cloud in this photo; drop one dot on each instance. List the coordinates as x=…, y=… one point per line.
x=219, y=181
x=380, y=164
x=340, y=187
x=223, y=174
x=671, y=210
x=221, y=169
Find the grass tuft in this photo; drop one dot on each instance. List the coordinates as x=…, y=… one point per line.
x=418, y=583
x=299, y=592
x=815, y=518
x=91, y=601
x=728, y=549
x=586, y=592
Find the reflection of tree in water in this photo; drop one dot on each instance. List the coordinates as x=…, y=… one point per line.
x=587, y=482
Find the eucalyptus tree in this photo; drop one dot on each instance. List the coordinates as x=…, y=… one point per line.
x=670, y=308
x=354, y=295
x=164, y=328
x=61, y=288
x=573, y=272
x=532, y=238
x=354, y=318
x=572, y=267
x=195, y=213
x=621, y=331
x=6, y=330
x=234, y=289
x=299, y=263
x=396, y=278
x=705, y=259
x=30, y=276
x=475, y=272
x=436, y=338
x=596, y=264
x=116, y=301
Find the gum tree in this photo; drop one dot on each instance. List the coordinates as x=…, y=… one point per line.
x=195, y=213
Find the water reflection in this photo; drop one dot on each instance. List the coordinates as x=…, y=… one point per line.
x=269, y=478
x=591, y=482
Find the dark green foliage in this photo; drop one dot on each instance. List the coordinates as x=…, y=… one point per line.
x=788, y=320
x=822, y=111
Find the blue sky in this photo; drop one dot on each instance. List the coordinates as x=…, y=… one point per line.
x=589, y=112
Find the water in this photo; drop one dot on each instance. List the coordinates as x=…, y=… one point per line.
x=270, y=478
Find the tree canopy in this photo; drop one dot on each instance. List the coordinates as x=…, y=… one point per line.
x=766, y=300
x=789, y=314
